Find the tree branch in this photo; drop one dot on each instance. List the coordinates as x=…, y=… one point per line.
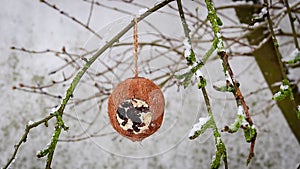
x=250, y=130
x=24, y=137
x=79, y=75
x=288, y=9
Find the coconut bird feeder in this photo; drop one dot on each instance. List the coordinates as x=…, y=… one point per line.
x=136, y=105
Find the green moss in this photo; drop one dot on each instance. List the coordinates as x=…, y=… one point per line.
x=202, y=82
x=191, y=59
x=284, y=91
x=237, y=124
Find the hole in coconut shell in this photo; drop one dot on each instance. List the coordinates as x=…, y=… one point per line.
x=134, y=115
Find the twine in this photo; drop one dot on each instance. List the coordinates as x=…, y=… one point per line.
x=135, y=52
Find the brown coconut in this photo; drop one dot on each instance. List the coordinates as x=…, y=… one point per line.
x=142, y=89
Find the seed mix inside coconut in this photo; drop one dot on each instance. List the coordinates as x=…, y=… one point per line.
x=134, y=115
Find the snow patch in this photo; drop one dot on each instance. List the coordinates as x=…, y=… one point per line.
x=277, y=94
x=263, y=12
x=213, y=158
x=194, y=65
x=284, y=87
x=245, y=123
x=240, y=110
x=54, y=109
x=30, y=123
x=220, y=46
x=218, y=140
x=187, y=46
x=142, y=11
x=256, y=24
x=198, y=126
x=228, y=77
x=199, y=73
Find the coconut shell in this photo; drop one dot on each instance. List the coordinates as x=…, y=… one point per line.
x=142, y=89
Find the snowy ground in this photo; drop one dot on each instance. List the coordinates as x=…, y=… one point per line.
x=33, y=25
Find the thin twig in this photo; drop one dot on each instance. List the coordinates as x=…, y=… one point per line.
x=173, y=49
x=215, y=22
x=108, y=7
x=278, y=54
x=71, y=17
x=276, y=46
x=220, y=146
x=215, y=128
x=37, y=92
x=183, y=21
x=240, y=100
x=292, y=23
x=90, y=13
x=86, y=137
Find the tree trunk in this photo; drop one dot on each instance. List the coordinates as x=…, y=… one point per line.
x=267, y=61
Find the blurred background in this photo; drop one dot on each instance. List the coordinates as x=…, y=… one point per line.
x=44, y=44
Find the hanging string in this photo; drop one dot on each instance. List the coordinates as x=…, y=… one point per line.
x=135, y=52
